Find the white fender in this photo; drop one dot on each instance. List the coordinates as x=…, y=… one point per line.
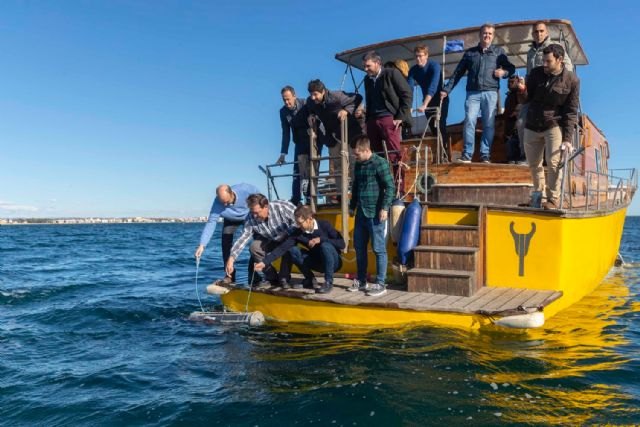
x=216, y=290
x=522, y=321
x=256, y=319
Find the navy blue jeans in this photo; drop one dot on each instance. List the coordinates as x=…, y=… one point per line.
x=376, y=230
x=324, y=258
x=479, y=102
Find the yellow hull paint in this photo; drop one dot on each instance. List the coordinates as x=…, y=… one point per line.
x=298, y=310
x=571, y=255
x=452, y=216
x=568, y=254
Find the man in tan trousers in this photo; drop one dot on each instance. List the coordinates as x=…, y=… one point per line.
x=553, y=93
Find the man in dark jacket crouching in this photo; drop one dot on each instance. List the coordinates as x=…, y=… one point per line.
x=322, y=245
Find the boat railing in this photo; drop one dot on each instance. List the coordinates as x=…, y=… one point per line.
x=611, y=189
x=432, y=120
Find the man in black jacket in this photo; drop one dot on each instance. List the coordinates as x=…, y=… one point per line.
x=293, y=120
x=331, y=107
x=323, y=243
x=388, y=100
x=553, y=93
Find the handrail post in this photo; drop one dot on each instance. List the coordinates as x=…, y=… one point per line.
x=313, y=150
x=268, y=175
x=344, y=182
x=563, y=181
x=436, y=124
x=426, y=171
x=598, y=191
x=588, y=177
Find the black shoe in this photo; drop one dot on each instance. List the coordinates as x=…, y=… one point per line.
x=311, y=283
x=325, y=289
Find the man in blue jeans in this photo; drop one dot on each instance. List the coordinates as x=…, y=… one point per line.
x=372, y=192
x=484, y=65
x=322, y=244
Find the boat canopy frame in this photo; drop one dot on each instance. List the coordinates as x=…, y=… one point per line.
x=514, y=37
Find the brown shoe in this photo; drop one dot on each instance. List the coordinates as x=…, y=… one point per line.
x=550, y=205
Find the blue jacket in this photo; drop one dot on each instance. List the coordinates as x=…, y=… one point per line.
x=479, y=67
x=429, y=78
x=235, y=212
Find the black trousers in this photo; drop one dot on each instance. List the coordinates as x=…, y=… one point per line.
x=444, y=112
x=228, y=231
x=259, y=248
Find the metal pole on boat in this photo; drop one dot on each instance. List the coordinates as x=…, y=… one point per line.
x=438, y=133
x=588, y=189
x=564, y=175
x=426, y=171
x=313, y=150
x=344, y=182
x=598, y=191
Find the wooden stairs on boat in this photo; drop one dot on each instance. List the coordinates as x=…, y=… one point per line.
x=449, y=258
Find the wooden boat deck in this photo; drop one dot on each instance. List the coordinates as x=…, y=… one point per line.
x=487, y=301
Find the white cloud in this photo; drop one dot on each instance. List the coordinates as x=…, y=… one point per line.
x=10, y=207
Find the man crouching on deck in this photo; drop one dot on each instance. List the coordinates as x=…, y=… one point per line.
x=269, y=224
x=324, y=244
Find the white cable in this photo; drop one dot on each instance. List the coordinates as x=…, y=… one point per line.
x=198, y=294
x=246, y=306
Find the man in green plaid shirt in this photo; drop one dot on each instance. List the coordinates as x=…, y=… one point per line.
x=371, y=196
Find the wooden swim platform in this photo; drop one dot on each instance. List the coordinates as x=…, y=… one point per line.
x=487, y=301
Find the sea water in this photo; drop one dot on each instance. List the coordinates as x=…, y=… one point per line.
x=94, y=331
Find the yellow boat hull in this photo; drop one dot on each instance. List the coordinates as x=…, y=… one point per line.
x=571, y=254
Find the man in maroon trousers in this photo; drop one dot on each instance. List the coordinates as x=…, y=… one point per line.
x=388, y=100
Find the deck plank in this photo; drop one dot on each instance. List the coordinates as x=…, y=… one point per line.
x=479, y=303
x=540, y=298
x=502, y=299
x=517, y=300
x=407, y=297
x=487, y=299
x=467, y=300
x=448, y=301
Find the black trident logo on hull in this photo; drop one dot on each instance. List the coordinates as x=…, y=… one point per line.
x=522, y=244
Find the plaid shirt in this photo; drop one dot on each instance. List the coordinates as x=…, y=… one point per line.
x=373, y=187
x=277, y=227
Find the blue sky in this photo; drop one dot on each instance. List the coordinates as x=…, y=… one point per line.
x=126, y=108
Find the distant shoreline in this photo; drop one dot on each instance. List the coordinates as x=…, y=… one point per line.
x=90, y=221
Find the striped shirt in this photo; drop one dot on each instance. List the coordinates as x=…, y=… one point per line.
x=277, y=227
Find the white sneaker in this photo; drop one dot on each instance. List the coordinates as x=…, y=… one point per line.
x=357, y=286
x=377, y=289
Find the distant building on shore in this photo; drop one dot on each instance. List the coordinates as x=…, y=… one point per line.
x=125, y=220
